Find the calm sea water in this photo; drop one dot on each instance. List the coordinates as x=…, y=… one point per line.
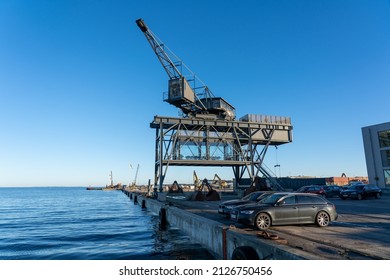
x=76, y=224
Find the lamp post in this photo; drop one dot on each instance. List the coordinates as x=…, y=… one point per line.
x=275, y=166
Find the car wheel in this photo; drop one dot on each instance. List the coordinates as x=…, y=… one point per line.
x=322, y=219
x=359, y=196
x=378, y=195
x=263, y=221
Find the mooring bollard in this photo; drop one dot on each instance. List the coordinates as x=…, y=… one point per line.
x=135, y=199
x=163, y=218
x=143, y=204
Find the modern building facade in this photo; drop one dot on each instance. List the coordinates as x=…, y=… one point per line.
x=376, y=139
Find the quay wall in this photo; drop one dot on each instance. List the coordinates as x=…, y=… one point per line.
x=223, y=241
x=207, y=232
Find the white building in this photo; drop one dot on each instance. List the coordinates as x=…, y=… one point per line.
x=376, y=139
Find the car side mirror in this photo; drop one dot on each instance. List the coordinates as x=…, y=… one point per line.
x=280, y=203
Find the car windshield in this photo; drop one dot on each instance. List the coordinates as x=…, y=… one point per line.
x=357, y=187
x=251, y=196
x=272, y=199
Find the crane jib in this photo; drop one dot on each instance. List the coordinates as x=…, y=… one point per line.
x=190, y=95
x=141, y=24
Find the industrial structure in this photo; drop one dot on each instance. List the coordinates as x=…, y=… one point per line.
x=208, y=133
x=376, y=140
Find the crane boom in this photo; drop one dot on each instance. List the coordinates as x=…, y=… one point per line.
x=136, y=175
x=193, y=99
x=158, y=48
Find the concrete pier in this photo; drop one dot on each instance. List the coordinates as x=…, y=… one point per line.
x=360, y=232
x=225, y=242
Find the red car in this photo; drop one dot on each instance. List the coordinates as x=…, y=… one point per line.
x=312, y=189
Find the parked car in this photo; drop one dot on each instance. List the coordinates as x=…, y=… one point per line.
x=361, y=191
x=332, y=191
x=254, y=197
x=312, y=189
x=286, y=209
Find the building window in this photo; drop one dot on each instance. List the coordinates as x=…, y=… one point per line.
x=385, y=154
x=384, y=138
x=387, y=177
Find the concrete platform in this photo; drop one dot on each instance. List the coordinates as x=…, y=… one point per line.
x=353, y=236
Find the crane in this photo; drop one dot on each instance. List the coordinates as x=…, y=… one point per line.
x=185, y=90
x=136, y=175
x=134, y=183
x=198, y=195
x=222, y=184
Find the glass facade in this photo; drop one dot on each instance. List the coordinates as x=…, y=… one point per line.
x=376, y=140
x=385, y=154
x=384, y=138
x=384, y=143
x=387, y=177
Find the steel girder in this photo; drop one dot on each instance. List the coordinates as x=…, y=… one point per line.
x=204, y=142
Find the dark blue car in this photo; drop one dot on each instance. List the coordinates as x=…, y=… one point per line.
x=254, y=197
x=361, y=191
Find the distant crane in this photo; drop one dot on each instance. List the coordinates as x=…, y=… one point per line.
x=136, y=175
x=111, y=180
x=195, y=100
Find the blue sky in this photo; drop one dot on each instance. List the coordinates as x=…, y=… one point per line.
x=79, y=84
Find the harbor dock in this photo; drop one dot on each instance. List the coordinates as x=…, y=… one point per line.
x=231, y=241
